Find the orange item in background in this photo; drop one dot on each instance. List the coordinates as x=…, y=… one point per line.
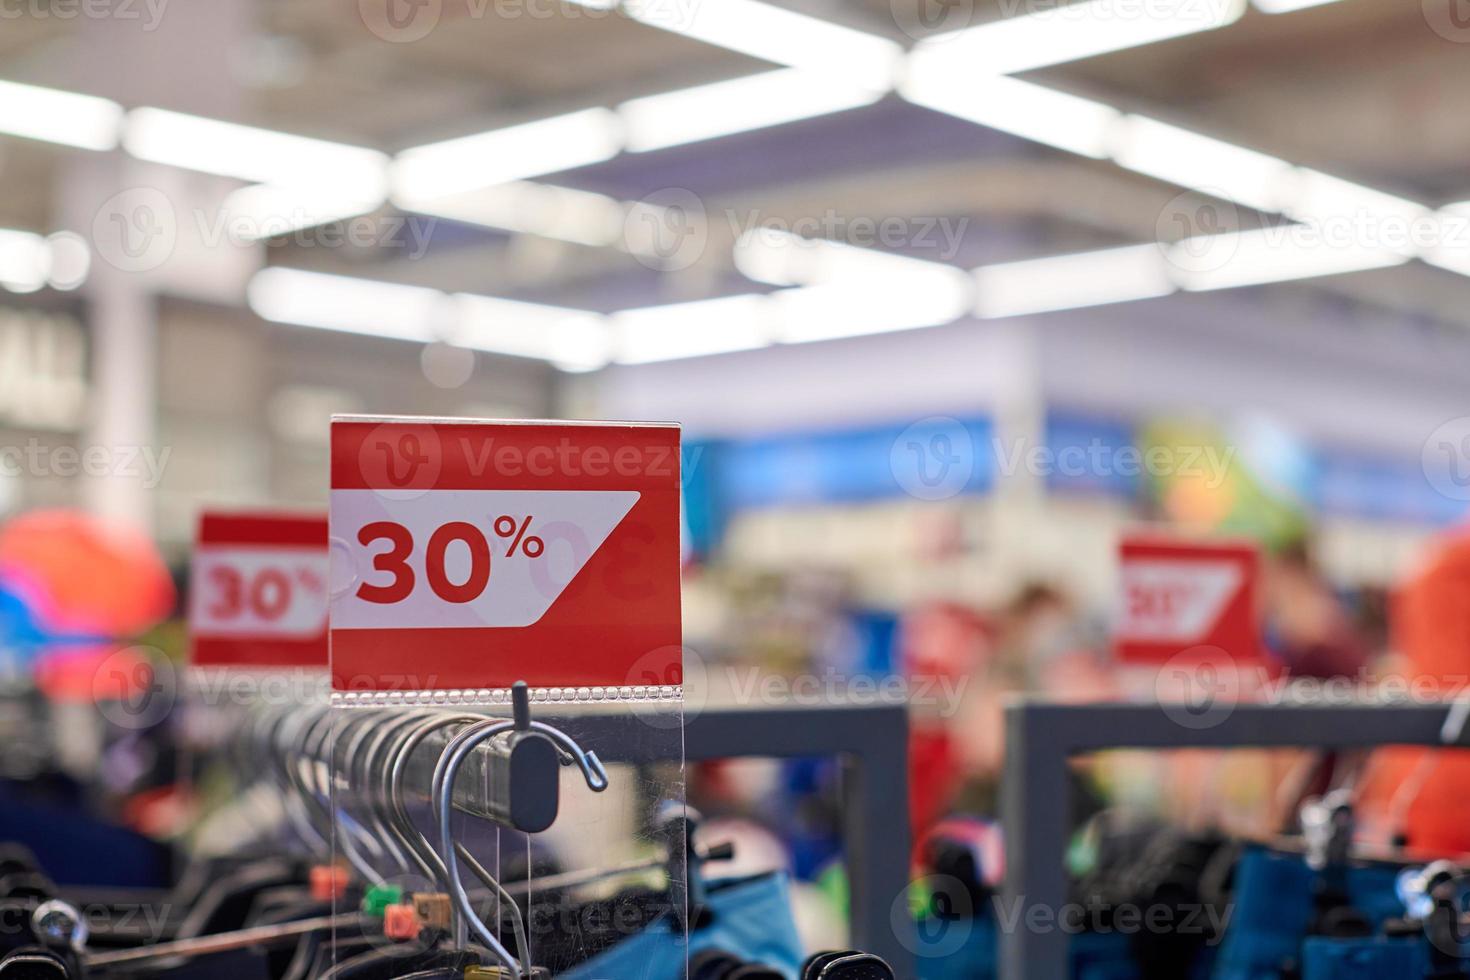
x=84, y=577
x=1431, y=628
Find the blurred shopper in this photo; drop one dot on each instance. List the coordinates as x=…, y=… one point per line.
x=1043, y=645
x=1311, y=631
x=944, y=645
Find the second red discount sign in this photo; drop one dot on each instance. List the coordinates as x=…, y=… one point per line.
x=258, y=591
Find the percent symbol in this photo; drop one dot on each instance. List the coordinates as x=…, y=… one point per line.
x=530, y=545
x=310, y=580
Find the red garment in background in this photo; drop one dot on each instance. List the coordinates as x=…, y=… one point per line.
x=941, y=646
x=934, y=775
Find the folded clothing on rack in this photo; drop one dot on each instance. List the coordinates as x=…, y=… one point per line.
x=1093, y=956
x=751, y=918
x=1325, y=958
x=1274, y=907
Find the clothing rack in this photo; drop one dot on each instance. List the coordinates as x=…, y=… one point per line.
x=871, y=742
x=1036, y=794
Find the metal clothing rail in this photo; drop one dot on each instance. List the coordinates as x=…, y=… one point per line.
x=870, y=740
x=1036, y=792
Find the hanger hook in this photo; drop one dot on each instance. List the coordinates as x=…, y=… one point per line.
x=586, y=760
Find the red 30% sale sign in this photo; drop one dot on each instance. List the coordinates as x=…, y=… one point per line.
x=474, y=554
x=258, y=590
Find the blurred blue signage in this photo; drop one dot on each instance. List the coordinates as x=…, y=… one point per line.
x=939, y=458
x=1092, y=454
x=932, y=459
x=1377, y=489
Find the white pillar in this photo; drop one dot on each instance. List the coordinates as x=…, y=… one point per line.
x=124, y=320
x=132, y=213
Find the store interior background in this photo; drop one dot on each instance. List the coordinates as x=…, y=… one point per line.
x=816, y=541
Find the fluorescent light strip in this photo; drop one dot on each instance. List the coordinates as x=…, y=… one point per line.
x=530, y=149
x=554, y=212
x=1267, y=255
x=776, y=257
x=1064, y=282
x=846, y=291
x=573, y=340
x=1451, y=246
x=1024, y=109
x=830, y=312
x=783, y=258
x=1319, y=199
x=842, y=291
x=53, y=116
x=679, y=330
x=654, y=122
x=1070, y=33
x=780, y=36
x=1201, y=163
x=1287, y=6
x=347, y=304
x=561, y=213
x=25, y=261
x=1211, y=166
x=262, y=211
x=255, y=155
x=736, y=106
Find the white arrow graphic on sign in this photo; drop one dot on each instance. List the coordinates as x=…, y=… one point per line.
x=462, y=558
x=1170, y=601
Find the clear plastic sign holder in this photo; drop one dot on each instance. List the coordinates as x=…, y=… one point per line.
x=475, y=829
x=257, y=610
x=237, y=728
x=479, y=833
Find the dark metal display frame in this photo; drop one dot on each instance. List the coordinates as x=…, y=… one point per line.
x=1037, y=795
x=871, y=742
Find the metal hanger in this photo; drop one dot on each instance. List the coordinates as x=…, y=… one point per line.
x=344, y=779
x=445, y=774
